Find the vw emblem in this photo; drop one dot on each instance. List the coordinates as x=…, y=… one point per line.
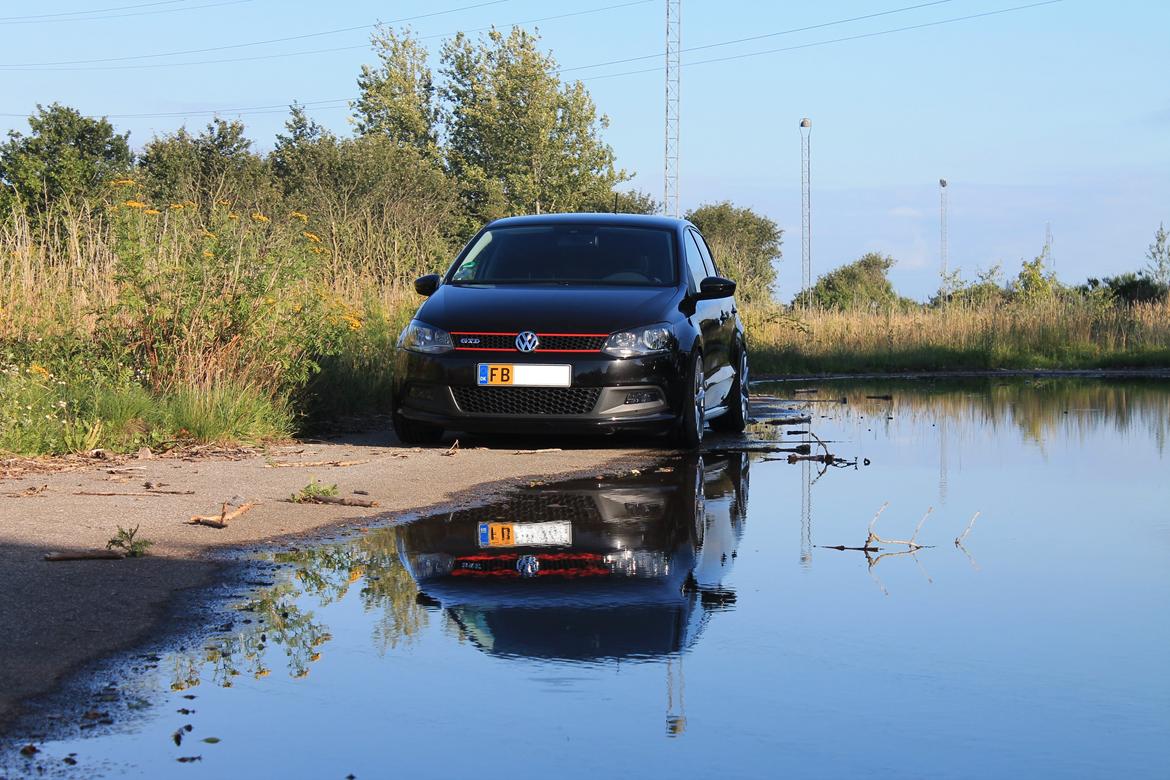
x=528, y=565
x=527, y=341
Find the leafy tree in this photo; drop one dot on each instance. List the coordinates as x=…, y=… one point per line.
x=1129, y=288
x=1158, y=254
x=398, y=97
x=861, y=284
x=1034, y=283
x=986, y=290
x=518, y=140
x=745, y=245
x=216, y=165
x=377, y=204
x=65, y=156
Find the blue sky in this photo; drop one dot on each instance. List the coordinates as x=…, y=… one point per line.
x=1058, y=114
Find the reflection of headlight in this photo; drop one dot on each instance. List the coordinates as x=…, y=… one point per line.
x=420, y=337
x=639, y=341
x=639, y=563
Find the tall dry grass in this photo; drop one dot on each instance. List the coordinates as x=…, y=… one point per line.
x=1068, y=332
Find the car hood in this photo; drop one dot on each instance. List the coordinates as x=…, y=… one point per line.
x=512, y=308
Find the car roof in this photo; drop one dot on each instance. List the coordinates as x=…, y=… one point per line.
x=623, y=220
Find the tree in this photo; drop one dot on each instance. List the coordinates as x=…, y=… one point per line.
x=518, y=140
x=861, y=284
x=398, y=97
x=745, y=245
x=1158, y=254
x=218, y=164
x=66, y=155
x=1034, y=283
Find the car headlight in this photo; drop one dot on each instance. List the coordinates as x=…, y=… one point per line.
x=420, y=337
x=639, y=341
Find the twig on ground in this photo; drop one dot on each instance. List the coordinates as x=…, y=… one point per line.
x=29, y=492
x=340, y=500
x=85, y=555
x=452, y=450
x=221, y=520
x=537, y=452
x=314, y=463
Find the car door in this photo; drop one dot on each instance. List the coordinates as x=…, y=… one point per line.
x=706, y=317
x=721, y=374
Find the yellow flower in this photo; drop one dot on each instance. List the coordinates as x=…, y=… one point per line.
x=135, y=204
x=208, y=253
x=176, y=206
x=223, y=202
x=353, y=322
x=208, y=234
x=123, y=183
x=151, y=211
x=39, y=370
x=299, y=215
x=317, y=250
x=263, y=673
x=316, y=239
x=233, y=215
x=258, y=217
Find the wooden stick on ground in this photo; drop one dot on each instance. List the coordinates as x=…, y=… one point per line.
x=341, y=500
x=221, y=520
x=85, y=555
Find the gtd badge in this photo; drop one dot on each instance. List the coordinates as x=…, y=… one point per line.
x=527, y=341
x=468, y=340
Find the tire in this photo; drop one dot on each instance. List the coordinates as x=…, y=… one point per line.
x=414, y=432
x=688, y=432
x=738, y=402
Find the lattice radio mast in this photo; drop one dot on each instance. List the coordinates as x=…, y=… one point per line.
x=673, y=73
x=942, y=236
x=805, y=212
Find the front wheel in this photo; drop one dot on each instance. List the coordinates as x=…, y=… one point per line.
x=735, y=420
x=688, y=432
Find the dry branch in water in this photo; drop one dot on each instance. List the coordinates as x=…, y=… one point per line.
x=959, y=539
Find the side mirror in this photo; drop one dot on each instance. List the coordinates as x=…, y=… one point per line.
x=715, y=287
x=426, y=285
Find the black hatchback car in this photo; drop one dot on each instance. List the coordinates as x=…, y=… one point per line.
x=574, y=323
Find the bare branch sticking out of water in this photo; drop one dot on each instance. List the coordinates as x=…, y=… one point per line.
x=910, y=543
x=959, y=539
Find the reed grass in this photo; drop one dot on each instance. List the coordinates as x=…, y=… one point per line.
x=1069, y=332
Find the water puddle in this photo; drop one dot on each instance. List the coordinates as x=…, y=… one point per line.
x=697, y=620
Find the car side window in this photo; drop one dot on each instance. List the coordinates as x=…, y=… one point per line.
x=694, y=258
x=705, y=251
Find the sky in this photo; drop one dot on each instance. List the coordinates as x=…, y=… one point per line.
x=1051, y=117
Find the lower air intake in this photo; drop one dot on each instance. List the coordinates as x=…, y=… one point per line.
x=530, y=401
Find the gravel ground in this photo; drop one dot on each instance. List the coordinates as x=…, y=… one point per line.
x=59, y=616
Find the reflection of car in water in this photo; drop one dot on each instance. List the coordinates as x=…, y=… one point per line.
x=586, y=570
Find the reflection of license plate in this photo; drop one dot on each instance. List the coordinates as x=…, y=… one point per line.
x=556, y=534
x=524, y=374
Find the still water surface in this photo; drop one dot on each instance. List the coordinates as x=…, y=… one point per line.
x=690, y=621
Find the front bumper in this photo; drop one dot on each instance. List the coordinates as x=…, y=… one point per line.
x=442, y=390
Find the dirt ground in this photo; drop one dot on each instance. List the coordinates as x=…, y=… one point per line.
x=58, y=616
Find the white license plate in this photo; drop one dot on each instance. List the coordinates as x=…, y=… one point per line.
x=554, y=534
x=524, y=375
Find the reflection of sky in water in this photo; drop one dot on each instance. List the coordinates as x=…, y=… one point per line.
x=733, y=646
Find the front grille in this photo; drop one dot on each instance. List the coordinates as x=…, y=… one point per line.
x=549, y=342
x=556, y=401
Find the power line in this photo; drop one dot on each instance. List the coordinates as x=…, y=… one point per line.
x=90, y=11
x=251, y=43
x=765, y=35
x=646, y=70
x=362, y=46
x=833, y=40
x=26, y=20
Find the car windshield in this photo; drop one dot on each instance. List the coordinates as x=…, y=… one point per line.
x=570, y=254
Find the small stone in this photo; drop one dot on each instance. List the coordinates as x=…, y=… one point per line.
x=145, y=453
x=29, y=750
